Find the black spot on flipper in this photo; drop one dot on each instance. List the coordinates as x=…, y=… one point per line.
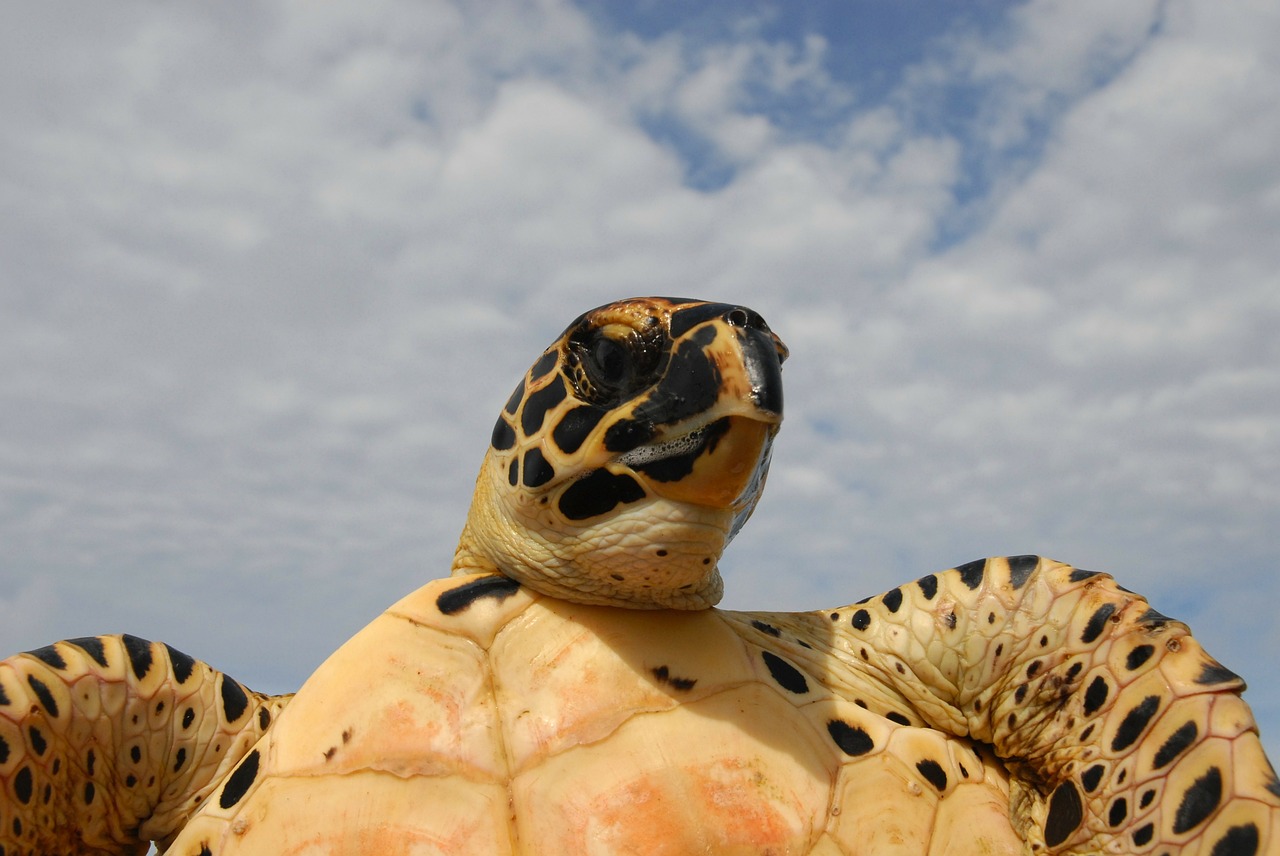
x=1138, y=656
x=1118, y=813
x=861, y=620
x=971, y=573
x=1199, y=802
x=1097, y=623
x=4, y=698
x=928, y=586
x=240, y=780
x=787, y=675
x=537, y=469
x=50, y=656
x=598, y=493
x=504, y=436
x=139, y=653
x=1091, y=777
x=1020, y=568
x=1077, y=575
x=852, y=740
x=892, y=599
x=1177, y=743
x=456, y=600
x=1216, y=673
x=575, y=426
x=183, y=664
x=38, y=743
x=4, y=750
x=179, y=758
x=264, y=718
x=91, y=645
x=1066, y=812
x=933, y=772
x=1096, y=695
x=664, y=676
x=1143, y=834
x=1239, y=840
x=1153, y=619
x=894, y=716
x=537, y=405
x=42, y=693
x=23, y=785
x=1134, y=723
x=188, y=717
x=89, y=792
x=204, y=850
x=234, y=699
x=765, y=627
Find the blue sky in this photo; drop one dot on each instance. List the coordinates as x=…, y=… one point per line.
x=272, y=270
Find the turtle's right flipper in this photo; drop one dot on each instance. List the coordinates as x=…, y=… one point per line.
x=110, y=742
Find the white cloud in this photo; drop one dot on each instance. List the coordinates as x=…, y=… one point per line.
x=270, y=271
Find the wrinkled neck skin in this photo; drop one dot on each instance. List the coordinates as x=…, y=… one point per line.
x=652, y=555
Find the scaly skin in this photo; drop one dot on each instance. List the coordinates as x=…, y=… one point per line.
x=1120, y=733
x=110, y=742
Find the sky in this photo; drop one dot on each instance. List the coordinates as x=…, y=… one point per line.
x=270, y=269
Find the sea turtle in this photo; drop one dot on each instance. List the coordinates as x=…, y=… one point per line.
x=1008, y=705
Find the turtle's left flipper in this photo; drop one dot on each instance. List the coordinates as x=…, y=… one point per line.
x=1121, y=733
x=109, y=742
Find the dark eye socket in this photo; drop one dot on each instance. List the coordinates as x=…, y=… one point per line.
x=608, y=362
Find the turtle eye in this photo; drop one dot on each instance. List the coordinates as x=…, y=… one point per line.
x=608, y=363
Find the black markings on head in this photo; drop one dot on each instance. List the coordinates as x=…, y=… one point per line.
x=513, y=472
x=1239, y=840
x=928, y=586
x=574, y=427
x=971, y=573
x=1077, y=575
x=1096, y=695
x=1138, y=656
x=1216, y=673
x=684, y=320
x=543, y=366
x=1176, y=744
x=1065, y=814
x=1020, y=568
x=38, y=743
x=23, y=785
x=851, y=739
x=1153, y=619
x=456, y=600
x=1097, y=623
x=787, y=675
x=240, y=780
x=664, y=676
x=933, y=773
x=599, y=493
x=892, y=599
x=42, y=693
x=1091, y=777
x=234, y=699
x=504, y=436
x=1118, y=813
x=182, y=664
x=513, y=402
x=1199, y=802
x=536, y=468
x=537, y=405
x=677, y=467
x=765, y=627
x=690, y=385
x=1134, y=723
x=861, y=620
x=50, y=656
x=139, y=653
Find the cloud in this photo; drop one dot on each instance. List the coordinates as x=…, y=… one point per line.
x=271, y=270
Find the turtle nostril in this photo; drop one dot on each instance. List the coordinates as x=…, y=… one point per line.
x=737, y=318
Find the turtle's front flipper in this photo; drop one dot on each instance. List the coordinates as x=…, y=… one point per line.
x=109, y=742
x=1122, y=734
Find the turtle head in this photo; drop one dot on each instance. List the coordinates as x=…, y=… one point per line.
x=630, y=454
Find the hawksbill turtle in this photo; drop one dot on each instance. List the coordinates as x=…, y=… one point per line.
x=569, y=688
